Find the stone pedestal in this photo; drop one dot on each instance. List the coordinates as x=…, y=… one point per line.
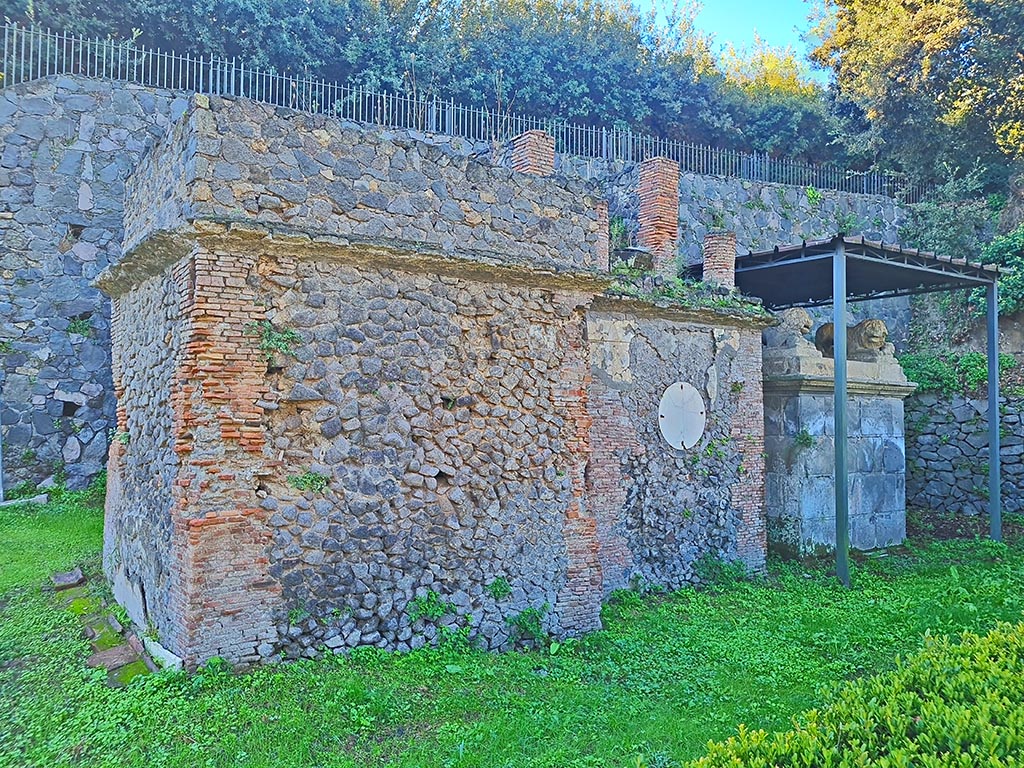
x=800, y=446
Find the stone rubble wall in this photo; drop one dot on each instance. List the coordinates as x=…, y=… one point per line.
x=322, y=175
x=947, y=453
x=434, y=404
x=69, y=143
x=445, y=390
x=159, y=185
x=138, y=547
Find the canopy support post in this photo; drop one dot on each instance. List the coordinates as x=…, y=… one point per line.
x=995, y=514
x=840, y=405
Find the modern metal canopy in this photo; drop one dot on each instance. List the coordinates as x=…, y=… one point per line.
x=842, y=269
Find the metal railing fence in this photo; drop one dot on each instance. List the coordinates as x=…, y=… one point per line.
x=30, y=53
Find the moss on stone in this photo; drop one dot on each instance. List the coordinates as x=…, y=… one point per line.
x=84, y=606
x=121, y=676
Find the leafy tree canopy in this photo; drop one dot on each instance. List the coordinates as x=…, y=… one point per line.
x=593, y=61
x=940, y=82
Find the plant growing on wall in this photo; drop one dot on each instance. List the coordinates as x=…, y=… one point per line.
x=528, y=626
x=618, y=236
x=814, y=196
x=80, y=326
x=119, y=436
x=309, y=481
x=499, y=589
x=848, y=222
x=272, y=341
x=429, y=606
x=298, y=615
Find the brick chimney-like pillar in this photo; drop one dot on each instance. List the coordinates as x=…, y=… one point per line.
x=534, y=152
x=602, y=250
x=658, y=191
x=720, y=259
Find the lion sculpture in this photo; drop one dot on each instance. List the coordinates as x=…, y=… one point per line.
x=791, y=332
x=867, y=340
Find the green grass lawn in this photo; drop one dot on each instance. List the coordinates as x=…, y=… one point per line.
x=667, y=674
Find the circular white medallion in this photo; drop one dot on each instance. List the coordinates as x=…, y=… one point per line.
x=682, y=415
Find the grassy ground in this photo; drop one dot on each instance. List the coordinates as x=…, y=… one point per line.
x=667, y=674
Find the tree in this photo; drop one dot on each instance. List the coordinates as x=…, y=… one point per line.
x=774, y=104
x=941, y=82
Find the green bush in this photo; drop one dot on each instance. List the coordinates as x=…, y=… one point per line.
x=930, y=373
x=950, y=375
x=948, y=705
x=1008, y=252
x=528, y=626
x=973, y=369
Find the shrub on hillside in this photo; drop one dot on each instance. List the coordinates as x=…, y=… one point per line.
x=951, y=704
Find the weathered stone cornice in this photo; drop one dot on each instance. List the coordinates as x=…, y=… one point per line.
x=826, y=385
x=164, y=248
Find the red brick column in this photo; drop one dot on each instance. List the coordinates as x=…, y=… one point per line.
x=612, y=432
x=658, y=190
x=748, y=432
x=223, y=597
x=534, y=152
x=720, y=258
x=603, y=245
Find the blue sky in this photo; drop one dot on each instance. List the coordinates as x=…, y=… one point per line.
x=778, y=22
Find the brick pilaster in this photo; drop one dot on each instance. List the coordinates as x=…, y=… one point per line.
x=719, y=249
x=747, y=429
x=534, y=152
x=223, y=597
x=579, y=600
x=658, y=190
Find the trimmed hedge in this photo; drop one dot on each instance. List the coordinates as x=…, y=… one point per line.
x=951, y=704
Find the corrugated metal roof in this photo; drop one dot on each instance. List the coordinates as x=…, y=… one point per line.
x=801, y=274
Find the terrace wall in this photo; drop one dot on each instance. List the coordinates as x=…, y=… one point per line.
x=70, y=142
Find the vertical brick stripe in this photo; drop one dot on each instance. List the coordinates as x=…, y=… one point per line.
x=224, y=597
x=579, y=600
x=748, y=495
x=612, y=434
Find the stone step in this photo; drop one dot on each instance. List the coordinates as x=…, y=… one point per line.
x=114, y=648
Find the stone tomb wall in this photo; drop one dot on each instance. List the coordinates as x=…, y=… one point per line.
x=801, y=471
x=68, y=144
x=659, y=511
x=478, y=410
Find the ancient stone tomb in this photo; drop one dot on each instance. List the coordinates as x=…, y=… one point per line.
x=799, y=381
x=370, y=388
